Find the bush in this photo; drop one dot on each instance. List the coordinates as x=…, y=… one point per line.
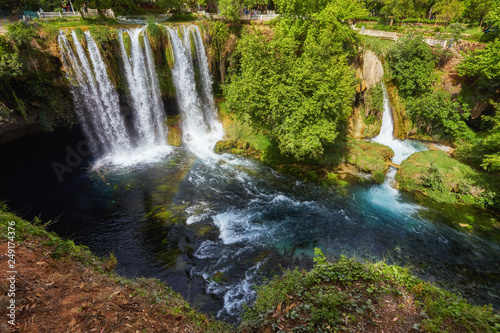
x=482, y=67
x=436, y=114
x=348, y=296
x=411, y=64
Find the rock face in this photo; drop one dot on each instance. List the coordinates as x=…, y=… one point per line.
x=373, y=71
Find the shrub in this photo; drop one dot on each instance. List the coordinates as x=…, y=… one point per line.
x=411, y=64
x=436, y=114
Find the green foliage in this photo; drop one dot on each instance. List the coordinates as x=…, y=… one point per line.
x=445, y=179
x=448, y=10
x=10, y=61
x=369, y=157
x=347, y=295
x=482, y=152
x=21, y=33
x=411, y=64
x=456, y=31
x=296, y=86
x=483, y=67
x=433, y=178
x=378, y=45
x=218, y=35
x=230, y=9
x=155, y=31
x=436, y=114
x=104, y=38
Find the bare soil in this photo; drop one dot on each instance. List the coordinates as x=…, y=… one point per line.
x=65, y=296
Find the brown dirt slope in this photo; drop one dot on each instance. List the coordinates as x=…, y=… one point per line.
x=68, y=295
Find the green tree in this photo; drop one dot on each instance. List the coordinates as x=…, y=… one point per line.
x=448, y=10
x=477, y=10
x=10, y=61
x=399, y=8
x=411, y=64
x=295, y=85
x=483, y=67
x=437, y=114
x=230, y=9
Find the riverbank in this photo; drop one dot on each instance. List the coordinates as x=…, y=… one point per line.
x=63, y=287
x=55, y=276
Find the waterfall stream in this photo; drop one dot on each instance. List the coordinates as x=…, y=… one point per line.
x=385, y=195
x=200, y=127
x=143, y=87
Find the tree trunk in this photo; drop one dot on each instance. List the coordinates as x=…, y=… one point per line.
x=481, y=23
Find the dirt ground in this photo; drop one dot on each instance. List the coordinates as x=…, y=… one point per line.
x=61, y=296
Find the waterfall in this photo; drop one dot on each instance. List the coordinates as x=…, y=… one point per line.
x=121, y=140
x=385, y=195
x=96, y=99
x=144, y=90
x=402, y=148
x=200, y=127
x=206, y=81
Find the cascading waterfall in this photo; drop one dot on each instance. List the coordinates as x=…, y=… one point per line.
x=206, y=81
x=200, y=127
x=96, y=99
x=402, y=148
x=386, y=195
x=144, y=90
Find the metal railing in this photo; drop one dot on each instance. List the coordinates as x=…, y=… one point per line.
x=395, y=35
x=259, y=17
x=88, y=13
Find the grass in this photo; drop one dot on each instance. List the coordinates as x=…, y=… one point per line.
x=236, y=129
x=361, y=297
x=369, y=157
x=445, y=179
x=378, y=45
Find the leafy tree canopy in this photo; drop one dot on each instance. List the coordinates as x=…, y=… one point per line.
x=438, y=115
x=294, y=84
x=411, y=64
x=483, y=66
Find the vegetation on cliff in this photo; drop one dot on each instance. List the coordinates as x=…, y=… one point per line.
x=89, y=295
x=32, y=85
x=294, y=83
x=351, y=296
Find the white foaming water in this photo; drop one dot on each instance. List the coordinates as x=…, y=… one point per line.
x=385, y=195
x=402, y=148
x=144, y=91
x=200, y=127
x=98, y=108
x=234, y=227
x=95, y=97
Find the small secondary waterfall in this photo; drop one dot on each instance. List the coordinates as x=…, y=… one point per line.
x=386, y=195
x=201, y=129
x=96, y=100
x=402, y=148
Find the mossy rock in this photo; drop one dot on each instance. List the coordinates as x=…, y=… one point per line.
x=369, y=156
x=225, y=146
x=174, y=136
